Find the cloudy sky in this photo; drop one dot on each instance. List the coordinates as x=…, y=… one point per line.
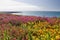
x=31, y=5
x=45, y=4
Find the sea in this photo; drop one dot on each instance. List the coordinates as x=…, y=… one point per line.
x=40, y=13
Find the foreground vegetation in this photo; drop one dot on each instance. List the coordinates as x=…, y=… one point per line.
x=13, y=27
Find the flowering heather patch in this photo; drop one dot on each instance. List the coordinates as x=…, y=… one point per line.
x=14, y=27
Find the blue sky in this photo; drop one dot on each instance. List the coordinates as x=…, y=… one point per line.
x=47, y=4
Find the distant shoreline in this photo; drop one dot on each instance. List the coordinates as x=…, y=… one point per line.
x=34, y=13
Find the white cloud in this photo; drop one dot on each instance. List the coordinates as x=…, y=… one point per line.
x=10, y=5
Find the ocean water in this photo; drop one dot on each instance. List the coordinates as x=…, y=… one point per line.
x=42, y=13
